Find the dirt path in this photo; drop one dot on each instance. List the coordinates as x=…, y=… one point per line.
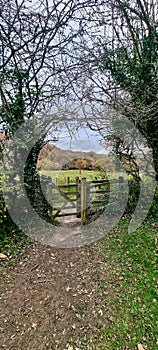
x=71, y=220
x=50, y=299
x=68, y=233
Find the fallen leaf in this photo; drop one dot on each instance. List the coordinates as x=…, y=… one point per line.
x=34, y=325
x=121, y=278
x=3, y=256
x=68, y=288
x=140, y=347
x=100, y=312
x=140, y=300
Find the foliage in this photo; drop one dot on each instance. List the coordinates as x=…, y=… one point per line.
x=154, y=206
x=81, y=164
x=33, y=185
x=12, y=241
x=3, y=210
x=13, y=114
x=47, y=164
x=13, y=107
x=132, y=63
x=126, y=157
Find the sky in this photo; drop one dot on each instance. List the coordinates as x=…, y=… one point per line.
x=84, y=140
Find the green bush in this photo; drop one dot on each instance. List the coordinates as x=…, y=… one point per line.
x=134, y=191
x=3, y=210
x=154, y=207
x=12, y=241
x=133, y=197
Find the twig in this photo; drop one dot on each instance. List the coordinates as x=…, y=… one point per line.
x=34, y=267
x=43, y=281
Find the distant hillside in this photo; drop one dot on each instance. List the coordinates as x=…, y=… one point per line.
x=57, y=158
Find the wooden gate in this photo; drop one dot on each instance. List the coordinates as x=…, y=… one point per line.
x=64, y=197
x=75, y=198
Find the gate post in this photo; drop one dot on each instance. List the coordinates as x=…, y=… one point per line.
x=50, y=187
x=78, y=200
x=68, y=182
x=83, y=201
x=87, y=196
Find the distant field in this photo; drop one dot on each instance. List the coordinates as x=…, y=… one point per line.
x=62, y=175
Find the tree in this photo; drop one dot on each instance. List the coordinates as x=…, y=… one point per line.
x=119, y=51
x=133, y=66
x=34, y=45
x=81, y=164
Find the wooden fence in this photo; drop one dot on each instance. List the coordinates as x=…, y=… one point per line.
x=75, y=198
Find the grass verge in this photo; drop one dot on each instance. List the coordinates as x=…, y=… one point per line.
x=133, y=261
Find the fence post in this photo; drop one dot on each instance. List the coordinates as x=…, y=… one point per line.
x=121, y=182
x=50, y=190
x=83, y=201
x=87, y=195
x=68, y=182
x=78, y=201
x=50, y=197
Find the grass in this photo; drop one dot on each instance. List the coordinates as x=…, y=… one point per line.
x=133, y=261
x=64, y=174
x=89, y=174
